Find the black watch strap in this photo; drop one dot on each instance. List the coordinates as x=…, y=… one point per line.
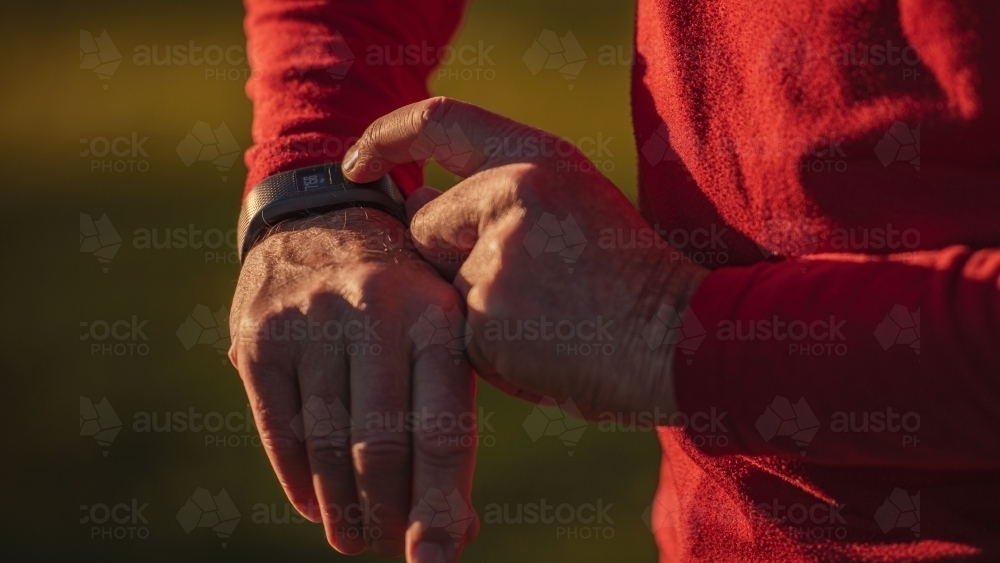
x=300, y=192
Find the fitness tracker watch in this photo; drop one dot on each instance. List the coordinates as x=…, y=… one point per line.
x=301, y=192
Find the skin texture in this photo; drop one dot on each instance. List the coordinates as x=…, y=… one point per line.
x=488, y=236
x=339, y=273
x=480, y=235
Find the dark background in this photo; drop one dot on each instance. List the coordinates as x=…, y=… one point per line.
x=50, y=287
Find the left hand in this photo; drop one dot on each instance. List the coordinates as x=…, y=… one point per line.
x=531, y=239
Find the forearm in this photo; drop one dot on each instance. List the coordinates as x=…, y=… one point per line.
x=315, y=85
x=858, y=370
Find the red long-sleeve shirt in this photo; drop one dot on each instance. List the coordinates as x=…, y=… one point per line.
x=840, y=371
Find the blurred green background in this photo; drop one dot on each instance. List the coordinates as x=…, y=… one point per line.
x=53, y=112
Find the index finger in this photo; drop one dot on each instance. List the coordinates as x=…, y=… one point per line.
x=461, y=137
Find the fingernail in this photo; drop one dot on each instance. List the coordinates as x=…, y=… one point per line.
x=428, y=552
x=350, y=160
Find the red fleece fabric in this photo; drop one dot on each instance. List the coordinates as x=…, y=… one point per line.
x=838, y=373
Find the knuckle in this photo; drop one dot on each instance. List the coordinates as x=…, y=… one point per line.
x=378, y=293
x=328, y=454
x=252, y=329
x=278, y=442
x=381, y=453
x=434, y=300
x=443, y=295
x=434, y=110
x=445, y=447
x=498, y=299
x=531, y=175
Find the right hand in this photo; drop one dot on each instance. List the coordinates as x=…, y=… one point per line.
x=354, y=361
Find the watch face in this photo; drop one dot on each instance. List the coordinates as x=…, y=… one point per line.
x=315, y=178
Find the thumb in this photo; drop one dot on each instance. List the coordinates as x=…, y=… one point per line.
x=447, y=227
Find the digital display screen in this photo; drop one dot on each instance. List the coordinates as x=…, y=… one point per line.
x=316, y=178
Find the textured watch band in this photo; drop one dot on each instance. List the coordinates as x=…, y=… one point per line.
x=307, y=190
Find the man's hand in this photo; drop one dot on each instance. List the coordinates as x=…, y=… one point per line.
x=323, y=338
x=570, y=293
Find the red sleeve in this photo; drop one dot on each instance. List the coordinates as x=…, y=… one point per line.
x=324, y=70
x=882, y=362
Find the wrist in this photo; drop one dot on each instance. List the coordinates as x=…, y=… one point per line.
x=334, y=237
x=347, y=220
x=662, y=320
